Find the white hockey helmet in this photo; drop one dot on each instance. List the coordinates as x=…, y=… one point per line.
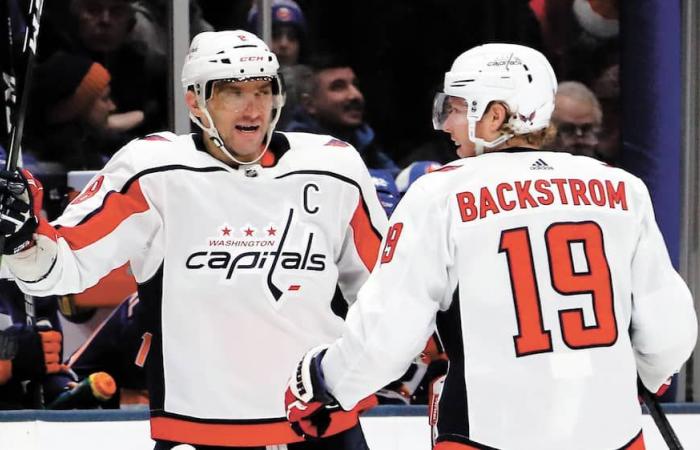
x=517, y=76
x=232, y=56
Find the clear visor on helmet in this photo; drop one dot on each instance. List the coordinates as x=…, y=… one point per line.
x=446, y=105
x=232, y=95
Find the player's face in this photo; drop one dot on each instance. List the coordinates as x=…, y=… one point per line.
x=457, y=127
x=337, y=100
x=242, y=111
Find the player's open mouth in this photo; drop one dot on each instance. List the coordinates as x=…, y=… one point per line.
x=247, y=128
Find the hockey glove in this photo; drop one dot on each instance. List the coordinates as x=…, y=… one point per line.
x=311, y=409
x=307, y=400
x=32, y=351
x=20, y=203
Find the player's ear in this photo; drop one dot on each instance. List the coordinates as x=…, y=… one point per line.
x=496, y=115
x=192, y=105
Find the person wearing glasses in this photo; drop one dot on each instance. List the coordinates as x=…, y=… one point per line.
x=578, y=119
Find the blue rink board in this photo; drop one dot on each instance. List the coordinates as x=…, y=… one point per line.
x=141, y=413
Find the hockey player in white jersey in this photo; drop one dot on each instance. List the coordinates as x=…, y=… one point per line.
x=238, y=237
x=545, y=273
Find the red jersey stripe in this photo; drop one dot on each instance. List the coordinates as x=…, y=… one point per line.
x=248, y=434
x=636, y=444
x=453, y=446
x=116, y=209
x=222, y=434
x=366, y=240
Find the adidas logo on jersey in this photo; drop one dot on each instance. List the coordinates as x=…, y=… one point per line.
x=540, y=165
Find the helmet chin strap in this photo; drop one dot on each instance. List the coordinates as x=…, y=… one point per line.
x=480, y=144
x=215, y=138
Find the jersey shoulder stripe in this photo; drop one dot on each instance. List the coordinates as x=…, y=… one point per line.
x=116, y=207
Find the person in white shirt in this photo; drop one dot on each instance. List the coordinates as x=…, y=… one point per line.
x=545, y=273
x=238, y=237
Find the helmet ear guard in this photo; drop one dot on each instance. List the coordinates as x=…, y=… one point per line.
x=234, y=56
x=519, y=77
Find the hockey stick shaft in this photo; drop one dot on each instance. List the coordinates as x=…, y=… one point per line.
x=29, y=48
x=29, y=45
x=660, y=419
x=18, y=108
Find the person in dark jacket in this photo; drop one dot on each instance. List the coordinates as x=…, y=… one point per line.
x=332, y=103
x=68, y=127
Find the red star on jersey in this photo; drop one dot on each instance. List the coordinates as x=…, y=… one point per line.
x=271, y=231
x=248, y=231
x=226, y=231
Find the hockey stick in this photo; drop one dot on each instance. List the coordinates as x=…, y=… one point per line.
x=31, y=34
x=15, y=111
x=660, y=419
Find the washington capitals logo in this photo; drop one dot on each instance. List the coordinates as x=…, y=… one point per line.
x=506, y=62
x=265, y=250
x=528, y=118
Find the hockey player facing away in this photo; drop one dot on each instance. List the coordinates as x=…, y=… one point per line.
x=238, y=238
x=545, y=273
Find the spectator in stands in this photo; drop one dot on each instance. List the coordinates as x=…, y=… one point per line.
x=332, y=103
x=577, y=117
x=67, y=126
x=289, y=33
x=100, y=30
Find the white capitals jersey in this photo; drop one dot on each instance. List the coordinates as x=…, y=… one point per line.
x=239, y=267
x=551, y=288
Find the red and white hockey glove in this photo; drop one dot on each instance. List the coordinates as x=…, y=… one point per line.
x=21, y=197
x=311, y=409
x=307, y=401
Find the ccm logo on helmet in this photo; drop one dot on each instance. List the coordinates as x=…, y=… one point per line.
x=252, y=58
